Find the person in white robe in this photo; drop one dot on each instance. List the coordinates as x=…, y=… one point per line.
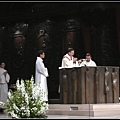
x=41, y=74
x=4, y=80
x=88, y=61
x=68, y=61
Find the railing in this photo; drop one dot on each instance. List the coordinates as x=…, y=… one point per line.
x=84, y=85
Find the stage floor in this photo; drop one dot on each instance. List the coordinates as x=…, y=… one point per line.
x=89, y=110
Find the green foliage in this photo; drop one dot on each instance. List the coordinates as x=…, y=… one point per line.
x=26, y=101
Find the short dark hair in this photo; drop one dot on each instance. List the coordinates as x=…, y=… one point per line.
x=70, y=49
x=40, y=52
x=88, y=54
x=2, y=62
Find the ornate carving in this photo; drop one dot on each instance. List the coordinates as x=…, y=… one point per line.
x=70, y=30
x=103, y=36
x=106, y=80
x=43, y=41
x=114, y=79
x=97, y=85
x=71, y=25
x=43, y=35
x=19, y=40
x=19, y=45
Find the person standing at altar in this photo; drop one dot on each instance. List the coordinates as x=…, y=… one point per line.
x=41, y=74
x=88, y=61
x=68, y=59
x=4, y=80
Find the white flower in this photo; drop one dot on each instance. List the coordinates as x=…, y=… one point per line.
x=36, y=92
x=22, y=108
x=26, y=98
x=34, y=109
x=25, y=101
x=32, y=79
x=39, y=112
x=15, y=107
x=18, y=85
x=13, y=114
x=9, y=94
x=28, y=113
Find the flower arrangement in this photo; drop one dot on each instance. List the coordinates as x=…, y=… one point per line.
x=26, y=101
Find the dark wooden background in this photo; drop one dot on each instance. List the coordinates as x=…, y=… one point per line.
x=94, y=85
x=87, y=27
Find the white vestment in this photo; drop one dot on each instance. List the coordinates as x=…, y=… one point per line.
x=4, y=80
x=41, y=74
x=91, y=63
x=67, y=61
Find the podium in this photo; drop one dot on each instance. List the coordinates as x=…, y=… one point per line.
x=84, y=85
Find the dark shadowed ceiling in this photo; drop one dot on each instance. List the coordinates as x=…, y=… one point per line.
x=17, y=11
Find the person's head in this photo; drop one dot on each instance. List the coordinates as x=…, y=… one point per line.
x=88, y=57
x=2, y=65
x=70, y=51
x=41, y=54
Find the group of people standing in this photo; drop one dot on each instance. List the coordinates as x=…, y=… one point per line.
x=68, y=60
x=41, y=72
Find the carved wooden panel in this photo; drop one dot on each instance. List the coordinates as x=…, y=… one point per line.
x=92, y=85
x=104, y=37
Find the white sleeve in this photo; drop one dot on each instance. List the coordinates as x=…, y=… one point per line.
x=66, y=63
x=82, y=64
x=41, y=68
x=0, y=78
x=95, y=64
x=7, y=78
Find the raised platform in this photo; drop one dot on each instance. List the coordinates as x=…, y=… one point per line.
x=98, y=110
